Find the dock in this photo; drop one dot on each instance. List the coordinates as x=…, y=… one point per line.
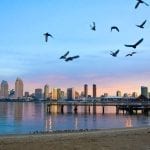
x=125, y=107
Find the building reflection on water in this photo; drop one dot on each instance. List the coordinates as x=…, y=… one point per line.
x=28, y=117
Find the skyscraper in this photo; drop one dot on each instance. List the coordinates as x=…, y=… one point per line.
x=18, y=88
x=54, y=94
x=85, y=90
x=38, y=94
x=94, y=90
x=4, y=89
x=70, y=93
x=118, y=93
x=46, y=91
x=144, y=91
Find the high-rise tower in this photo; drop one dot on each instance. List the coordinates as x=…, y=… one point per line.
x=18, y=88
x=85, y=90
x=46, y=91
x=4, y=89
x=94, y=90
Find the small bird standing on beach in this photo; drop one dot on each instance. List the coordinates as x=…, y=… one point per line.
x=46, y=36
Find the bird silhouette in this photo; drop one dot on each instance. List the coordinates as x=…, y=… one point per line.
x=71, y=58
x=136, y=44
x=93, y=27
x=114, y=28
x=46, y=36
x=114, y=54
x=65, y=55
x=130, y=54
x=142, y=25
x=140, y=2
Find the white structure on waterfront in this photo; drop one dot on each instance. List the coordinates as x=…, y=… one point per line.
x=46, y=91
x=4, y=89
x=18, y=88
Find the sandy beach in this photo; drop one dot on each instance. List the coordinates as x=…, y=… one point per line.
x=112, y=139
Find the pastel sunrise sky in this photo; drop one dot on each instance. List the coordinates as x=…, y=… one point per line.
x=25, y=54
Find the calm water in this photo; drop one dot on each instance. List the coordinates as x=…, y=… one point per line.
x=18, y=118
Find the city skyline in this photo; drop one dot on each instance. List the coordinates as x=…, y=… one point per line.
x=45, y=91
x=24, y=52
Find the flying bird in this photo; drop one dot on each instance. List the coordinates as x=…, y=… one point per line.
x=64, y=56
x=93, y=27
x=46, y=36
x=140, y=2
x=114, y=54
x=142, y=25
x=136, y=44
x=71, y=58
x=114, y=28
x=130, y=54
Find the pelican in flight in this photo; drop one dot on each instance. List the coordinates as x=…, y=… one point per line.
x=136, y=44
x=114, y=54
x=65, y=55
x=46, y=36
x=140, y=2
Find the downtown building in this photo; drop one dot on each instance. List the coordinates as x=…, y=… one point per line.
x=38, y=94
x=46, y=92
x=94, y=90
x=56, y=94
x=118, y=93
x=85, y=90
x=18, y=88
x=4, y=89
x=144, y=91
x=71, y=94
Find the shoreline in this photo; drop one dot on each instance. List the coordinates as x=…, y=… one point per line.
x=104, y=139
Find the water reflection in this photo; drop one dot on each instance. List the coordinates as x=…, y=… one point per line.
x=28, y=117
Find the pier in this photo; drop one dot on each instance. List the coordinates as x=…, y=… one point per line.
x=124, y=107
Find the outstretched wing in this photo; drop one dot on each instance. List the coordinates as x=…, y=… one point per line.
x=127, y=55
x=66, y=54
x=128, y=45
x=117, y=52
x=143, y=23
x=140, y=41
x=77, y=56
x=136, y=6
x=133, y=53
x=146, y=4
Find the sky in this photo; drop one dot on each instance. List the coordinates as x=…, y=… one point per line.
x=25, y=54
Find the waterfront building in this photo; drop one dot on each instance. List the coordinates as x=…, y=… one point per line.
x=18, y=88
x=46, y=91
x=59, y=94
x=54, y=94
x=77, y=95
x=125, y=95
x=26, y=94
x=85, y=90
x=118, y=93
x=70, y=93
x=134, y=94
x=4, y=89
x=105, y=94
x=38, y=94
x=94, y=90
x=144, y=91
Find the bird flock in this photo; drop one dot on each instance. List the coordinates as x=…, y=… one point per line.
x=113, y=28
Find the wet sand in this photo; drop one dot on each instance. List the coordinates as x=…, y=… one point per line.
x=112, y=139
